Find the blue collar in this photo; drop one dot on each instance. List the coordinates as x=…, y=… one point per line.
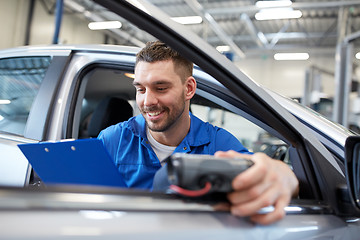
x=198, y=134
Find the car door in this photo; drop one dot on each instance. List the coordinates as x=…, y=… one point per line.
x=254, y=99
x=28, y=79
x=317, y=169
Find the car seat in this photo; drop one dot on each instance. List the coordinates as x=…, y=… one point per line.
x=109, y=111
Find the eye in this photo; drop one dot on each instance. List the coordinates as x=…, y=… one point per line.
x=162, y=88
x=140, y=90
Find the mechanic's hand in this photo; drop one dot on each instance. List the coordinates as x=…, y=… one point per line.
x=268, y=182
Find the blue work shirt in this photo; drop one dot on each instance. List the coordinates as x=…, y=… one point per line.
x=129, y=147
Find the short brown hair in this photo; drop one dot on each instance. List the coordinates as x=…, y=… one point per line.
x=158, y=51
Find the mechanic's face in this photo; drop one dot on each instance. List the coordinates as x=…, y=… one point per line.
x=161, y=95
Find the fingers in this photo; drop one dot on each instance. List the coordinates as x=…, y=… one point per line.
x=276, y=215
x=255, y=202
x=267, y=183
x=250, y=192
x=270, y=198
x=253, y=176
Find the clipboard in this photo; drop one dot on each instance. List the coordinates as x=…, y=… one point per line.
x=79, y=162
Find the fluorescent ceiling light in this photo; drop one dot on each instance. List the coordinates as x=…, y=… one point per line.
x=279, y=3
x=224, y=48
x=277, y=13
x=5, y=101
x=104, y=25
x=291, y=56
x=188, y=19
x=357, y=55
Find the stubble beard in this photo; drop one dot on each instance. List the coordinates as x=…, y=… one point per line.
x=168, y=122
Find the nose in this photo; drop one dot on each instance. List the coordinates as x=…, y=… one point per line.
x=150, y=98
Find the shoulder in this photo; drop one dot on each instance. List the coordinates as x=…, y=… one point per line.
x=218, y=138
x=207, y=128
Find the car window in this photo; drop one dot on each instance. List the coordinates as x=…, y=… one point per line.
x=109, y=98
x=253, y=137
x=20, y=80
x=242, y=129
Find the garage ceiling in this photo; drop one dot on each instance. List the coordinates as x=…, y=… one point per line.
x=323, y=24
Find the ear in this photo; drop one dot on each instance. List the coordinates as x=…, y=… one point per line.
x=190, y=87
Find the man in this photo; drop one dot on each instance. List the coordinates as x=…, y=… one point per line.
x=164, y=86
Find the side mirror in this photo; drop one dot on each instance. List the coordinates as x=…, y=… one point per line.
x=352, y=168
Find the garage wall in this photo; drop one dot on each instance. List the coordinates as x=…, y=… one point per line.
x=13, y=17
x=73, y=30
x=287, y=78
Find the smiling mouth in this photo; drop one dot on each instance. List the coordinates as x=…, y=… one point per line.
x=153, y=114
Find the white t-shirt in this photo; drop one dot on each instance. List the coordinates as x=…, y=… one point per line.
x=162, y=151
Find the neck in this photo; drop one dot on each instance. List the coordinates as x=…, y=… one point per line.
x=176, y=133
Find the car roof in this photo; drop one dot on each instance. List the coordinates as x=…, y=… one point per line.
x=33, y=49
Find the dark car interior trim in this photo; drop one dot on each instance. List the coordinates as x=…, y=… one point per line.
x=69, y=125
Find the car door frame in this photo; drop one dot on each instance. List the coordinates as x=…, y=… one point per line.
x=37, y=119
x=315, y=158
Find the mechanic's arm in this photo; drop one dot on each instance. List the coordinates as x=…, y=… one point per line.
x=268, y=182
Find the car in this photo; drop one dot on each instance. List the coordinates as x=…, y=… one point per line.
x=52, y=93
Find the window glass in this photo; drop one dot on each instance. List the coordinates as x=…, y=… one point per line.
x=249, y=134
x=20, y=80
